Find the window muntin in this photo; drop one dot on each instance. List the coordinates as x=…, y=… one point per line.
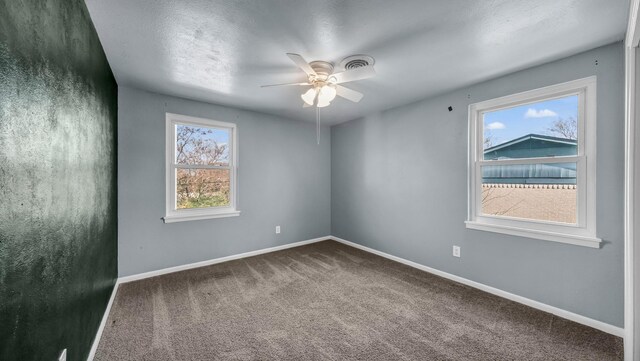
x=532, y=164
x=201, y=168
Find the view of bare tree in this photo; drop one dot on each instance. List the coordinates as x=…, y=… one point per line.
x=193, y=148
x=565, y=128
x=488, y=139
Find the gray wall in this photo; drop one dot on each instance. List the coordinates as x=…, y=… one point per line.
x=284, y=179
x=399, y=186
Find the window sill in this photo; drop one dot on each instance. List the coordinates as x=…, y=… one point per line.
x=567, y=238
x=196, y=217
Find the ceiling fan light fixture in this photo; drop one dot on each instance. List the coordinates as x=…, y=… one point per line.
x=327, y=94
x=309, y=96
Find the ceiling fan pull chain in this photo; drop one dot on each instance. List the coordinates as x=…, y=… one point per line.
x=318, y=125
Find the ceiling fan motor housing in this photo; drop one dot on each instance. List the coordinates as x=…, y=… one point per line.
x=322, y=68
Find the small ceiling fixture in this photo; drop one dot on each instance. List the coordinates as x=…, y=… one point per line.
x=325, y=84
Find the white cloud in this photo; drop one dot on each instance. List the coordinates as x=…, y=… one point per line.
x=495, y=125
x=544, y=113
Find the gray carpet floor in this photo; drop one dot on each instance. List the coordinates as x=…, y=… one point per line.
x=329, y=301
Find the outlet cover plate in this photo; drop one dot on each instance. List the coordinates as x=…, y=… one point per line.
x=456, y=251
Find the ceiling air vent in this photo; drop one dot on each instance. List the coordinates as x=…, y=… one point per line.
x=356, y=61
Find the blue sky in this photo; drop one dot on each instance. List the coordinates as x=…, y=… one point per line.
x=507, y=124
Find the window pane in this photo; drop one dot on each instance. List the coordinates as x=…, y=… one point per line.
x=202, y=145
x=543, y=129
x=200, y=188
x=544, y=192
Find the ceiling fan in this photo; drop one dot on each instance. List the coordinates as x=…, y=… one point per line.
x=325, y=84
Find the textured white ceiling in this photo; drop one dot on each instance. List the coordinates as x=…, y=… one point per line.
x=221, y=51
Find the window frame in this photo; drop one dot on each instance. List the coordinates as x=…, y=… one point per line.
x=583, y=232
x=172, y=214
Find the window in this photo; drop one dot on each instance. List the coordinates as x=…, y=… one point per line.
x=201, y=169
x=532, y=164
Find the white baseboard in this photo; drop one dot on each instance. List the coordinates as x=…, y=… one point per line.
x=599, y=325
x=103, y=323
x=163, y=271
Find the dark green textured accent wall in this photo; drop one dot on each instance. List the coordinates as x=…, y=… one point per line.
x=58, y=221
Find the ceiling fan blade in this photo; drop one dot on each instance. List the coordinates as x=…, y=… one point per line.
x=353, y=74
x=305, y=105
x=284, y=84
x=301, y=63
x=349, y=94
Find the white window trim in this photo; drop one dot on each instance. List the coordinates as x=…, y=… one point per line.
x=584, y=232
x=171, y=213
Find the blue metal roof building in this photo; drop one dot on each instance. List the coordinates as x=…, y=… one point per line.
x=531, y=146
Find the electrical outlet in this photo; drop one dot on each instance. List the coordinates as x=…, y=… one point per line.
x=277, y=229
x=456, y=251
x=63, y=355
